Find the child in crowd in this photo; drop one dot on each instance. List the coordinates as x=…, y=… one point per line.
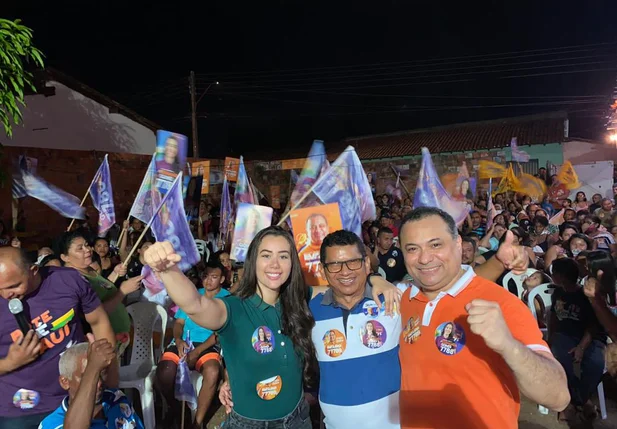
x=535, y=279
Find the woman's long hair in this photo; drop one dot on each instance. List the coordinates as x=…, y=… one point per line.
x=296, y=318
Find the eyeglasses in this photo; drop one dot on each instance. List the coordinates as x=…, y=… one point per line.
x=352, y=265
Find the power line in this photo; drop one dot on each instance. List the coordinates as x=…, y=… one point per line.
x=510, y=54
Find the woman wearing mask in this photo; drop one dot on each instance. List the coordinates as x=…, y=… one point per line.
x=268, y=387
x=578, y=243
x=76, y=253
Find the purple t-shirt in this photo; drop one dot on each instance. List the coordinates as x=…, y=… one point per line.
x=55, y=309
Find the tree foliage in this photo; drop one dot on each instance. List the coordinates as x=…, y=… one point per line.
x=16, y=53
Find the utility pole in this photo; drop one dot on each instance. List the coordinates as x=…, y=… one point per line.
x=192, y=88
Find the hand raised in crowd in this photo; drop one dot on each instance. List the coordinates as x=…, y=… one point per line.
x=100, y=353
x=592, y=287
x=513, y=256
x=486, y=320
x=161, y=256
x=126, y=224
x=225, y=397
x=23, y=351
x=131, y=285
x=120, y=270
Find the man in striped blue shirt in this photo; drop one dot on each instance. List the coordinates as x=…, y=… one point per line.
x=357, y=344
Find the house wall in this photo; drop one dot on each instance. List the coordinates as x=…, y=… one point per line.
x=544, y=153
x=71, y=121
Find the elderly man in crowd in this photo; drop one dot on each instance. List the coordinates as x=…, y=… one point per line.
x=467, y=344
x=83, y=371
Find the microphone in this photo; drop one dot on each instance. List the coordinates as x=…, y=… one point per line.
x=17, y=309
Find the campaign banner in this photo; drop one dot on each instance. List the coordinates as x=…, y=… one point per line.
x=202, y=168
x=231, y=168
x=170, y=158
x=28, y=164
x=275, y=196
x=103, y=198
x=250, y=219
x=310, y=226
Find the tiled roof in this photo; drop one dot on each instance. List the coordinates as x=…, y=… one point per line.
x=529, y=130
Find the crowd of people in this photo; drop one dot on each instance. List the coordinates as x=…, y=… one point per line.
x=416, y=310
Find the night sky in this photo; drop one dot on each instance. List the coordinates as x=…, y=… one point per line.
x=292, y=71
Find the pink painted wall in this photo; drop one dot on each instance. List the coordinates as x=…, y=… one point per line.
x=71, y=121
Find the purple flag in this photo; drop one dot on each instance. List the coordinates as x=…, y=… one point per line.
x=143, y=206
x=244, y=190
x=170, y=224
x=431, y=193
x=518, y=155
x=346, y=183
x=27, y=184
x=183, y=390
x=226, y=210
x=103, y=198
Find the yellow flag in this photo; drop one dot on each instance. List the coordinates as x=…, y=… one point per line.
x=491, y=170
x=532, y=186
x=568, y=177
x=509, y=182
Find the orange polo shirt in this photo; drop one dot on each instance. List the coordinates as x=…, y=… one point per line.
x=449, y=377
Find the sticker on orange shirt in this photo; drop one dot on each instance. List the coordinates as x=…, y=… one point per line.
x=373, y=334
x=411, y=333
x=270, y=388
x=449, y=338
x=334, y=343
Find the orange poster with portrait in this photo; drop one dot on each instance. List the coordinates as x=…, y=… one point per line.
x=231, y=169
x=310, y=226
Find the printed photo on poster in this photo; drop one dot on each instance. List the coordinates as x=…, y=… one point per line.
x=275, y=196
x=231, y=169
x=310, y=226
x=250, y=219
x=28, y=164
x=202, y=168
x=170, y=158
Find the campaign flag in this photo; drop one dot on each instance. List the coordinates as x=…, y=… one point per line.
x=530, y=185
x=250, y=219
x=27, y=184
x=509, y=182
x=518, y=155
x=226, y=209
x=567, y=176
x=310, y=173
x=490, y=170
x=170, y=224
x=431, y=193
x=143, y=206
x=183, y=389
x=244, y=190
x=346, y=183
x=103, y=198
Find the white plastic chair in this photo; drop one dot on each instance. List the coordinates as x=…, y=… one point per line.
x=196, y=380
x=140, y=372
x=543, y=292
x=202, y=248
x=518, y=280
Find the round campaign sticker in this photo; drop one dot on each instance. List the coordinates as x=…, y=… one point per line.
x=395, y=253
x=334, y=343
x=369, y=308
x=126, y=410
x=373, y=334
x=391, y=262
x=411, y=333
x=26, y=399
x=449, y=338
x=270, y=388
x=263, y=340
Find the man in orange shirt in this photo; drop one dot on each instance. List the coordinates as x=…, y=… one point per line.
x=316, y=229
x=468, y=346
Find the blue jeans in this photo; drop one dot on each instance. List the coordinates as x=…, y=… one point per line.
x=592, y=366
x=299, y=418
x=22, y=422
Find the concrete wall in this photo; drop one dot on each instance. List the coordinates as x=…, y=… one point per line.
x=544, y=153
x=69, y=120
x=581, y=152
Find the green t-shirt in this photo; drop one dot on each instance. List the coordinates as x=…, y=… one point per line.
x=264, y=370
x=119, y=318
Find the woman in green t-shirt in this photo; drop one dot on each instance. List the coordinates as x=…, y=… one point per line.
x=76, y=253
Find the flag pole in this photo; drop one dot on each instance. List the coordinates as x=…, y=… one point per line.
x=301, y=200
x=400, y=181
x=183, y=411
x=83, y=200
x=147, y=227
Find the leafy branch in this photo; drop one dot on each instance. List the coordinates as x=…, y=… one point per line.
x=16, y=53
